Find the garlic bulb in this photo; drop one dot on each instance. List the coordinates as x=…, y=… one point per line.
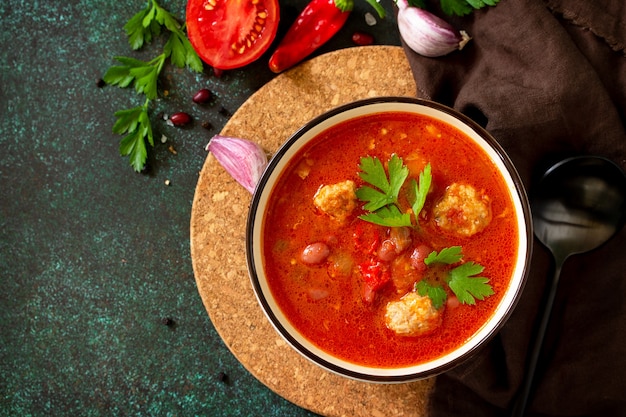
x=426, y=33
x=244, y=160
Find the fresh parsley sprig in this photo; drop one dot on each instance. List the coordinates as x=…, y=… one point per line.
x=468, y=287
x=135, y=124
x=436, y=293
x=450, y=255
x=420, y=190
x=462, y=279
x=142, y=28
x=382, y=194
x=143, y=75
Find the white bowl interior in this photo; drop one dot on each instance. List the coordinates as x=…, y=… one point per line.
x=255, y=255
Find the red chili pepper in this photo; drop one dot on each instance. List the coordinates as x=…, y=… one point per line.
x=315, y=25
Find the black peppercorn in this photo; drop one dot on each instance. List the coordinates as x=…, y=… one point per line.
x=222, y=377
x=224, y=112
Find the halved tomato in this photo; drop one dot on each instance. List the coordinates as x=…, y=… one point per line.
x=229, y=34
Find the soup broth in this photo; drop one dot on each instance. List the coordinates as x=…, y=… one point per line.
x=314, y=256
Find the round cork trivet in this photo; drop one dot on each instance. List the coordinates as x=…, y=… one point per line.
x=218, y=221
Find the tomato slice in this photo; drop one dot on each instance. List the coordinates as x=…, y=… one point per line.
x=229, y=34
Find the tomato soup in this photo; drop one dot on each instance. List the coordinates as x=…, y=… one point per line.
x=318, y=256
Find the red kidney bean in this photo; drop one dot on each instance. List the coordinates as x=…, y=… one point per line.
x=453, y=302
x=202, y=96
x=315, y=253
x=417, y=257
x=362, y=38
x=331, y=240
x=180, y=118
x=387, y=251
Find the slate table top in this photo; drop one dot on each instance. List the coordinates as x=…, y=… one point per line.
x=99, y=310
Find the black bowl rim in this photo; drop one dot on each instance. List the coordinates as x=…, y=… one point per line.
x=254, y=207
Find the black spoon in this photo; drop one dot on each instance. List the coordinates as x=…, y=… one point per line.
x=580, y=203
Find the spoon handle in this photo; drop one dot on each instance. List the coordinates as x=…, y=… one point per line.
x=521, y=402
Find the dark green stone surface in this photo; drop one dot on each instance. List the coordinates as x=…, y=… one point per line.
x=94, y=256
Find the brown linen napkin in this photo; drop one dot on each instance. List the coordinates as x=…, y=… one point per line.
x=547, y=79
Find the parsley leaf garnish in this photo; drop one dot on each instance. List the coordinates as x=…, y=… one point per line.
x=420, y=191
x=436, y=293
x=381, y=197
x=464, y=7
x=462, y=280
x=373, y=172
x=389, y=216
x=466, y=286
x=144, y=75
x=448, y=256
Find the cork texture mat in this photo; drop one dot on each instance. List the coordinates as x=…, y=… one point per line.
x=218, y=222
